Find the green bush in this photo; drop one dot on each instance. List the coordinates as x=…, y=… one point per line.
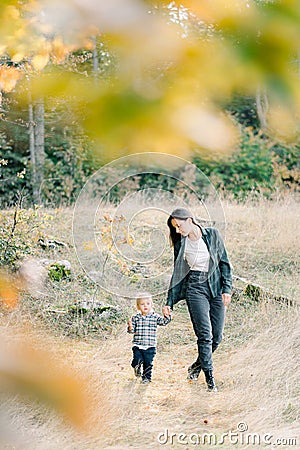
x=58, y=272
x=248, y=169
x=19, y=231
x=287, y=166
x=13, y=173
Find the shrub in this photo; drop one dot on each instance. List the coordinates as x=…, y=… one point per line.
x=19, y=231
x=58, y=271
x=13, y=173
x=249, y=169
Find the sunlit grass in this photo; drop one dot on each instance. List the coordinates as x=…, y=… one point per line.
x=256, y=366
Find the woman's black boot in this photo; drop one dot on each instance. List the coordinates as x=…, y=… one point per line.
x=193, y=371
x=210, y=381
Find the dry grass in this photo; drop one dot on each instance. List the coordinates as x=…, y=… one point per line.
x=258, y=380
x=263, y=239
x=256, y=366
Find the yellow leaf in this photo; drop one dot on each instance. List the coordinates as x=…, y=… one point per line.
x=8, y=292
x=26, y=369
x=40, y=61
x=89, y=246
x=59, y=50
x=8, y=78
x=11, y=13
x=17, y=57
x=88, y=44
x=32, y=6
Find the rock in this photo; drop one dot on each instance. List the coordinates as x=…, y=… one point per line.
x=57, y=269
x=61, y=262
x=256, y=292
x=91, y=306
x=51, y=243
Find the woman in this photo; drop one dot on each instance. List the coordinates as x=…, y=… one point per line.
x=202, y=276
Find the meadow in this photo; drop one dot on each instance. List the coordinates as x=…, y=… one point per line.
x=256, y=366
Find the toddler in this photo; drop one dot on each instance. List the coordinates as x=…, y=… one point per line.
x=143, y=326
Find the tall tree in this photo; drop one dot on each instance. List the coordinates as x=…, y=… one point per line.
x=262, y=108
x=39, y=148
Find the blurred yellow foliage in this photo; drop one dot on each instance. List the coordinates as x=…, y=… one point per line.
x=40, y=61
x=8, y=291
x=177, y=62
x=27, y=370
x=30, y=372
x=9, y=77
x=59, y=50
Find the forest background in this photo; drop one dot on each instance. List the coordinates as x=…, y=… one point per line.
x=84, y=83
x=72, y=101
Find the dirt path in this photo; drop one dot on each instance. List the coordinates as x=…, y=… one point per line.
x=154, y=416
x=174, y=413
x=171, y=412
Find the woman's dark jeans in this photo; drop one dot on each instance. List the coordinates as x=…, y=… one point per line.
x=207, y=314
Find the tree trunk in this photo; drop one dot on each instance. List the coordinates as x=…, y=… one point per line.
x=37, y=147
x=95, y=59
x=39, y=142
x=32, y=151
x=262, y=108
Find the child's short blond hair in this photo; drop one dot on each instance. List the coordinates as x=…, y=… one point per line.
x=142, y=296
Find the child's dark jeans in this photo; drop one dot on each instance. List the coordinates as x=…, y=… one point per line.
x=144, y=358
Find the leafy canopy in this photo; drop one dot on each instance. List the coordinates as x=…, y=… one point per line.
x=176, y=63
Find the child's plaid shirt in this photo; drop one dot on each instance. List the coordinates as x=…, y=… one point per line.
x=144, y=328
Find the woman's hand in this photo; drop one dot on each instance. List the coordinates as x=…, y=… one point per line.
x=167, y=311
x=226, y=299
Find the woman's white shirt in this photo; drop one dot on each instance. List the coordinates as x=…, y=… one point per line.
x=196, y=254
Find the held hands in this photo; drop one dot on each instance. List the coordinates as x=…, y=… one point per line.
x=226, y=299
x=166, y=310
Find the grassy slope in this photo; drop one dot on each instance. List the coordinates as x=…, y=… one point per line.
x=256, y=366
